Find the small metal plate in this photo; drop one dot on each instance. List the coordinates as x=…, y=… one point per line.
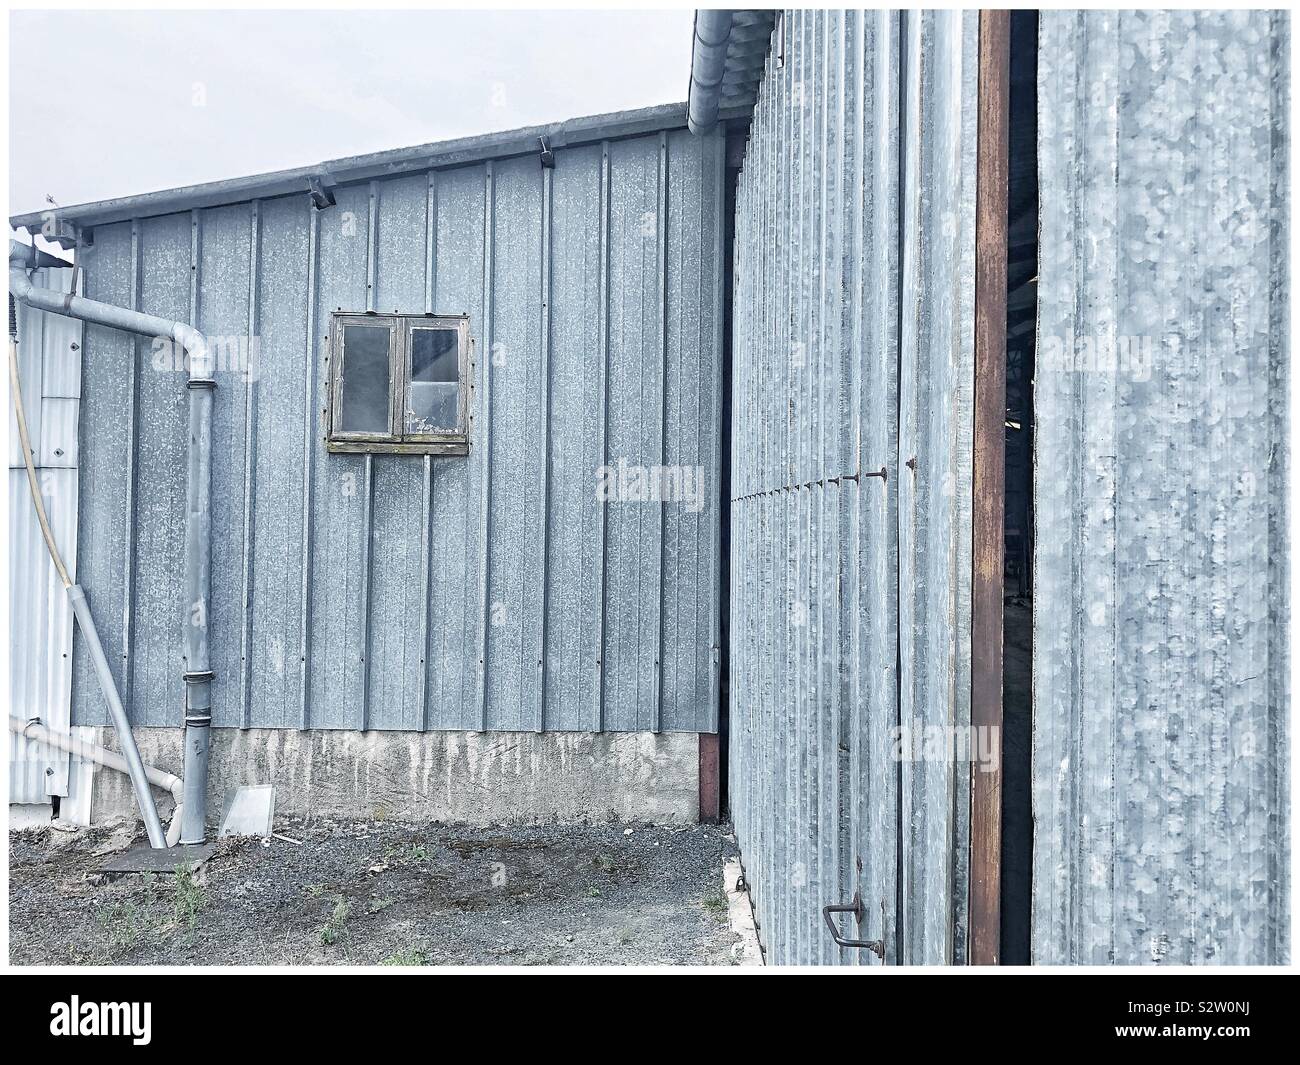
x=250, y=811
x=142, y=858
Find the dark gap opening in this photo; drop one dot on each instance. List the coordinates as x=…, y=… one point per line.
x=737, y=134
x=1018, y=610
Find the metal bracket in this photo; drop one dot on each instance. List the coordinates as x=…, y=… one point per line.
x=321, y=197
x=548, y=155
x=876, y=946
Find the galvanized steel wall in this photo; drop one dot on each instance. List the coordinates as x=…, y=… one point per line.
x=40, y=618
x=853, y=354
x=1161, y=695
x=397, y=592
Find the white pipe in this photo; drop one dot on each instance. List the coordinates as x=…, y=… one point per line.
x=93, y=752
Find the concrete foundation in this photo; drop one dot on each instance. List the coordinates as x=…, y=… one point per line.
x=473, y=777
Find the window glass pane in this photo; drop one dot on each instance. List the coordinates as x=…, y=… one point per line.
x=433, y=404
x=365, y=379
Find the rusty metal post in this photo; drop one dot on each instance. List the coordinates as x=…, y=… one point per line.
x=989, y=478
x=710, y=779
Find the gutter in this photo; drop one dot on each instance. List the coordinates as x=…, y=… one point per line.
x=197, y=673
x=708, y=66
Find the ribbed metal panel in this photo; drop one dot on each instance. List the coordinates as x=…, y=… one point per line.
x=936, y=379
x=399, y=592
x=40, y=619
x=1161, y=689
x=106, y=540
x=853, y=355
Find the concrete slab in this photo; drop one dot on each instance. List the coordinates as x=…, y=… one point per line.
x=145, y=859
x=740, y=915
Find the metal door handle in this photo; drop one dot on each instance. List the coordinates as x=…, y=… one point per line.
x=876, y=946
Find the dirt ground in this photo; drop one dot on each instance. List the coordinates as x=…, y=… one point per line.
x=368, y=893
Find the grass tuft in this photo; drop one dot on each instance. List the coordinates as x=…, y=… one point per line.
x=334, y=929
x=405, y=956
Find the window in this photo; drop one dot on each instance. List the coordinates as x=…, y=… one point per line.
x=398, y=383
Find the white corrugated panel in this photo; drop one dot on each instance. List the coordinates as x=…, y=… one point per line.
x=40, y=620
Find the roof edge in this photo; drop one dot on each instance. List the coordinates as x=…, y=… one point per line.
x=352, y=169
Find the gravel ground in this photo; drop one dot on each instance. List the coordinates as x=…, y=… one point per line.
x=366, y=893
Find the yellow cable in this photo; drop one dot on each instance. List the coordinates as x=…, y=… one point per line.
x=16, y=386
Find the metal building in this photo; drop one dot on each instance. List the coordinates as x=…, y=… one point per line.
x=1151, y=822
x=964, y=336
x=494, y=591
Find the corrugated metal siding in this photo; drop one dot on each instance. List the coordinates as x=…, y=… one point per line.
x=40, y=619
x=398, y=592
x=853, y=353
x=936, y=381
x=1161, y=591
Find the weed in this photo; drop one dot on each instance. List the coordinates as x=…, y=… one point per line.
x=593, y=892
x=414, y=852
x=332, y=930
x=124, y=923
x=188, y=898
x=375, y=905
x=605, y=863
x=405, y=956
x=716, y=904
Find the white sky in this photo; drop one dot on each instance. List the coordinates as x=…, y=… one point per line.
x=106, y=104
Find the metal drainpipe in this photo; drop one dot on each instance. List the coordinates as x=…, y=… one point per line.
x=198, y=512
x=198, y=570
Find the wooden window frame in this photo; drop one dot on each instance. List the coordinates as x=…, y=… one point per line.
x=396, y=441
